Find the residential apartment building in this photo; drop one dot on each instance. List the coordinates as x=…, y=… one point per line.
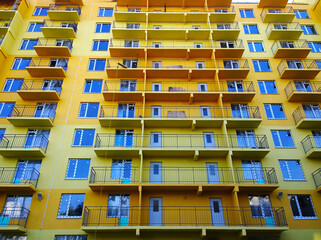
x=160, y=119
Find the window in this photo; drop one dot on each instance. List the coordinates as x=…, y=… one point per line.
x=157, y=27
x=256, y=46
x=27, y=170
x=124, y=138
x=2, y=131
x=287, y=44
x=133, y=26
x=35, y=27
x=250, y=29
x=280, y=26
x=195, y=27
x=309, y=29
x=291, y=170
x=200, y=65
x=198, y=45
x=12, y=85
x=261, y=208
x=134, y=10
x=99, y=45
x=78, y=169
x=93, y=86
x=247, y=13
x=131, y=43
x=6, y=109
x=59, y=62
x=301, y=14
x=102, y=28
x=97, y=64
x=294, y=64
x=28, y=44
x=52, y=85
x=252, y=170
x=105, y=12
x=118, y=206
x=315, y=46
x=41, y=11
x=121, y=169
x=282, y=139
x=156, y=64
x=318, y=62
x=88, y=110
x=71, y=205
x=302, y=206
x=71, y=237
x=131, y=63
x=223, y=26
x=21, y=63
x=268, y=87
x=83, y=138
x=261, y=66
x=274, y=111
x=231, y=64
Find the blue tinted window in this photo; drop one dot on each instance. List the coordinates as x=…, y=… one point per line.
x=2, y=131
x=84, y=137
x=301, y=14
x=28, y=44
x=315, y=46
x=250, y=29
x=274, y=111
x=247, y=13
x=71, y=237
x=88, y=110
x=268, y=87
x=105, y=12
x=100, y=45
x=102, y=28
x=41, y=12
x=35, y=27
x=261, y=66
x=93, y=86
x=6, y=109
x=71, y=205
x=309, y=30
x=12, y=85
x=78, y=169
x=97, y=64
x=21, y=63
x=256, y=46
x=318, y=62
x=291, y=170
x=282, y=139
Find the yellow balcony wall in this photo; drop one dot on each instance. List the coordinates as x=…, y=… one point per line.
x=233, y=69
x=78, y=2
x=219, y=3
x=4, y=26
x=298, y=69
x=7, y=13
x=291, y=49
x=48, y=67
x=311, y=146
x=113, y=91
x=59, y=29
x=237, y=91
x=223, y=14
x=229, y=49
x=270, y=4
x=225, y=31
x=118, y=48
x=251, y=119
x=126, y=29
x=288, y=31
x=50, y=47
x=277, y=15
x=117, y=68
x=309, y=119
x=64, y=12
x=311, y=92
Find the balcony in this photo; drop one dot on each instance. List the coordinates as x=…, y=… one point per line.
x=181, y=218
x=125, y=68
x=307, y=117
x=271, y=4
x=224, y=14
x=14, y=220
x=182, y=91
x=312, y=146
x=317, y=179
x=183, y=117
x=291, y=49
x=59, y=29
x=48, y=67
x=246, y=117
x=272, y=15
x=303, y=91
x=298, y=69
x=229, y=49
x=129, y=30
x=7, y=13
x=225, y=31
x=114, y=116
x=43, y=90
x=178, y=145
x=249, y=145
x=32, y=116
x=64, y=12
x=237, y=91
x=123, y=48
x=124, y=90
x=18, y=179
x=4, y=26
x=124, y=13
x=53, y=47
x=219, y=3
x=23, y=146
x=256, y=179
x=77, y=2
x=284, y=31
x=233, y=69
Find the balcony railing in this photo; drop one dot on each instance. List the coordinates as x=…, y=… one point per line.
x=14, y=217
x=233, y=64
x=248, y=141
x=167, y=141
x=177, y=26
x=116, y=86
x=296, y=44
x=304, y=64
x=103, y=175
x=49, y=62
x=237, y=86
x=29, y=111
x=43, y=85
x=175, y=44
x=249, y=112
x=183, y=216
x=54, y=42
x=61, y=24
x=228, y=45
x=285, y=10
x=311, y=142
x=289, y=27
x=302, y=87
x=65, y=7
x=255, y=175
x=225, y=26
x=300, y=114
x=180, y=63
x=5, y=23
x=113, y=111
x=1, y=40
x=24, y=141
x=181, y=86
x=19, y=176
x=317, y=177
x=221, y=10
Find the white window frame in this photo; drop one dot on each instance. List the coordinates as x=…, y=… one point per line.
x=259, y=65
x=104, y=10
x=253, y=45
x=244, y=13
x=299, y=10
x=272, y=113
x=27, y=40
x=81, y=137
x=249, y=29
x=75, y=170
x=314, y=48
x=299, y=209
x=91, y=84
x=13, y=79
x=39, y=9
x=69, y=201
x=99, y=41
x=198, y=45
x=228, y=44
x=308, y=26
x=280, y=139
x=87, y=107
x=18, y=67
x=265, y=88
x=289, y=172
x=94, y=68
x=156, y=64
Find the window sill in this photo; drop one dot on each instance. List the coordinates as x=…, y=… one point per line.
x=285, y=147
x=78, y=217
x=305, y=218
x=76, y=178
x=295, y=180
x=81, y=146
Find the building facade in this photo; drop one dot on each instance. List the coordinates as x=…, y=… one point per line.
x=168, y=119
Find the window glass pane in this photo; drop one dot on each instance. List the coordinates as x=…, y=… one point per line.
x=64, y=202
x=100, y=65
x=103, y=46
x=88, y=137
x=83, y=110
x=71, y=168
x=92, y=111
x=76, y=205
x=96, y=86
x=291, y=170
x=278, y=111
x=253, y=29
x=91, y=64
x=77, y=137
x=294, y=206
x=82, y=168
x=6, y=109
x=259, y=47
x=305, y=204
x=105, y=28
x=95, y=46
x=38, y=27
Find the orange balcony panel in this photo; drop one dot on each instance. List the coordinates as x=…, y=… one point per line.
x=243, y=122
x=7, y=14
x=130, y=16
x=122, y=96
x=78, y=2
x=168, y=122
x=219, y=3
x=32, y=95
x=289, y=73
x=258, y=187
x=131, y=187
x=53, y=51
x=125, y=73
x=305, y=97
x=166, y=34
x=196, y=17
x=168, y=96
x=128, y=33
x=166, y=52
x=116, y=152
x=205, y=96
x=46, y=72
x=120, y=122
x=17, y=188
x=229, y=52
x=167, y=73
x=63, y=32
x=30, y=121
x=175, y=3
x=222, y=17
x=200, y=53
x=225, y=34
x=292, y=52
x=132, y=2
x=233, y=73
x=279, y=34
x=278, y=17
x=166, y=16
x=271, y=4
x=63, y=15
x=127, y=52
x=198, y=34
x=238, y=96
x=203, y=73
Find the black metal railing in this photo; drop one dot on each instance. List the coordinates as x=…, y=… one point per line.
x=115, y=111
x=317, y=177
x=311, y=142
x=248, y=141
x=49, y=62
x=294, y=64
x=65, y=7
x=172, y=44
x=237, y=86
x=183, y=216
x=54, y=42
x=114, y=175
x=43, y=85
x=11, y=217
x=249, y=112
x=300, y=114
x=61, y=24
x=295, y=44
x=29, y=111
x=255, y=175
x=24, y=141
x=19, y=176
x=294, y=26
x=302, y=86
